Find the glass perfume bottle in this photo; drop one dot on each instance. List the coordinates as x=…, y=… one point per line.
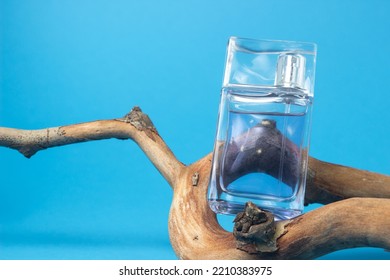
x=262, y=141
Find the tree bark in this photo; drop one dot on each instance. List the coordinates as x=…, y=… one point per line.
x=193, y=227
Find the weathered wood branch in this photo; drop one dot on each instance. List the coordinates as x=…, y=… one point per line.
x=329, y=182
x=135, y=125
x=196, y=234
x=333, y=227
x=194, y=229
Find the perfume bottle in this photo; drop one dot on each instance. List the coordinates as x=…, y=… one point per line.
x=261, y=146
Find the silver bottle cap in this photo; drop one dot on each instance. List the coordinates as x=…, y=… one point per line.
x=290, y=71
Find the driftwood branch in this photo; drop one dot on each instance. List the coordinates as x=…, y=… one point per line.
x=193, y=227
x=135, y=125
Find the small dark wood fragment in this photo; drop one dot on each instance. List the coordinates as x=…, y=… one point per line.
x=254, y=230
x=195, y=179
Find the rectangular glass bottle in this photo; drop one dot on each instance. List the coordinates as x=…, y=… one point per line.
x=262, y=140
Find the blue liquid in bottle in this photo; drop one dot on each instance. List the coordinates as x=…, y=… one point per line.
x=264, y=156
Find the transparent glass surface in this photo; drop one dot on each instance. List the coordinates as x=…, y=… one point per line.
x=252, y=63
x=262, y=140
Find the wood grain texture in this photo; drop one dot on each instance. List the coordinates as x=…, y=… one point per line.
x=358, y=201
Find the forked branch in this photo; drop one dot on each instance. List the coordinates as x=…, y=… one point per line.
x=194, y=229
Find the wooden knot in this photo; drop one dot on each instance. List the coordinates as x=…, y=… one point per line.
x=254, y=230
x=195, y=179
x=140, y=120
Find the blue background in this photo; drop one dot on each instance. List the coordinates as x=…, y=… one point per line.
x=64, y=62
